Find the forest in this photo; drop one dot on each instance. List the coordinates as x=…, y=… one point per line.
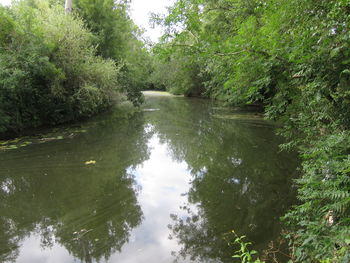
x=289, y=58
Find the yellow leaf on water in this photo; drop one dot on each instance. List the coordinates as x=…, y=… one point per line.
x=90, y=162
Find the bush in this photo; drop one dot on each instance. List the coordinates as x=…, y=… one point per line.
x=49, y=73
x=320, y=224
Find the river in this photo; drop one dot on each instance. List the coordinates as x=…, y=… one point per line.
x=167, y=183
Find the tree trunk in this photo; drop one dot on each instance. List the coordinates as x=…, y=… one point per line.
x=68, y=6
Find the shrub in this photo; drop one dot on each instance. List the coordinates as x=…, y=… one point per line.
x=49, y=72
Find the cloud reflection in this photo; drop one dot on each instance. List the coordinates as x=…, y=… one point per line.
x=163, y=182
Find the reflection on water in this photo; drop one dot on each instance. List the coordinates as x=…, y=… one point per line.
x=48, y=192
x=167, y=184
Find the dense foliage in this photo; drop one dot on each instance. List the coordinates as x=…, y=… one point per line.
x=293, y=58
x=118, y=38
x=53, y=69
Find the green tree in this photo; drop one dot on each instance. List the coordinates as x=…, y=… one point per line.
x=49, y=71
x=118, y=38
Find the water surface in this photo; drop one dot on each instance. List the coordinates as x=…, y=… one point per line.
x=167, y=183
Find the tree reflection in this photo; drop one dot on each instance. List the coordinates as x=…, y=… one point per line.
x=111, y=218
x=8, y=240
x=47, y=189
x=241, y=180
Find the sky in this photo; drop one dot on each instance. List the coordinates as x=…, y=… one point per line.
x=140, y=11
x=5, y=2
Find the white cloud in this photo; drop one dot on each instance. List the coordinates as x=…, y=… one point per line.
x=140, y=13
x=5, y=2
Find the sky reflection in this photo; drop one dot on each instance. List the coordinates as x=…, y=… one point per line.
x=162, y=182
x=154, y=178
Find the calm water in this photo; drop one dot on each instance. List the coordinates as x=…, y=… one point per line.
x=168, y=183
